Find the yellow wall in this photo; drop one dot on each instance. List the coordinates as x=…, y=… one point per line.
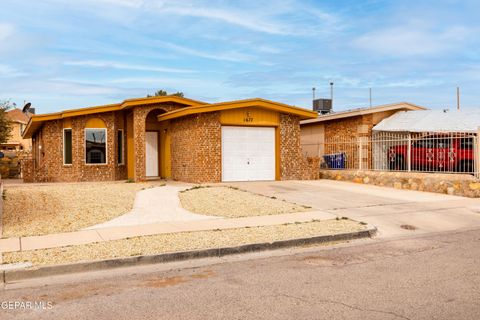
x=67, y=123
x=95, y=123
x=130, y=154
x=16, y=137
x=165, y=153
x=249, y=117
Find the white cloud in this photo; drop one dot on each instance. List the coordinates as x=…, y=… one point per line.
x=125, y=66
x=225, y=56
x=6, y=30
x=244, y=19
x=180, y=83
x=123, y=3
x=412, y=40
x=8, y=71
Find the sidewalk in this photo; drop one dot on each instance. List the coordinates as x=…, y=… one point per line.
x=121, y=232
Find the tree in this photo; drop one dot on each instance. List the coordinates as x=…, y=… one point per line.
x=5, y=123
x=161, y=93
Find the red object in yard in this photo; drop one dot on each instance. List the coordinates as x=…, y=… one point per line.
x=434, y=153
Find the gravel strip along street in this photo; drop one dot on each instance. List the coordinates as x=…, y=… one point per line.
x=183, y=241
x=233, y=203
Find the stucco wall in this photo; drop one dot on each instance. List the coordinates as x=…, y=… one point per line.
x=16, y=137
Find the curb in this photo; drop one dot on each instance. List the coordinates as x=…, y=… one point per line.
x=9, y=276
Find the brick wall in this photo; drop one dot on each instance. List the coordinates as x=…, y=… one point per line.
x=139, y=117
x=48, y=165
x=51, y=167
x=196, y=148
x=293, y=165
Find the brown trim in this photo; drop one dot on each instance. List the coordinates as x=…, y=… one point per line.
x=255, y=103
x=36, y=121
x=363, y=111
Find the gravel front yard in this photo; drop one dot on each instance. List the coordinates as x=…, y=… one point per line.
x=233, y=203
x=62, y=207
x=182, y=241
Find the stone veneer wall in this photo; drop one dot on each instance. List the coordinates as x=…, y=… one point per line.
x=453, y=184
x=140, y=114
x=196, y=148
x=293, y=165
x=50, y=166
x=10, y=164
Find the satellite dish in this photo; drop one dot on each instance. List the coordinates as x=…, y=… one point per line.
x=26, y=107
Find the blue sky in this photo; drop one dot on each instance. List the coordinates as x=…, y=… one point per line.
x=67, y=54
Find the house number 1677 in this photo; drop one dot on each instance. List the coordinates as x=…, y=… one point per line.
x=247, y=117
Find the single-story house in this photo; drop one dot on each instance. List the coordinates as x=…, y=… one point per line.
x=170, y=137
x=345, y=126
x=15, y=142
x=441, y=140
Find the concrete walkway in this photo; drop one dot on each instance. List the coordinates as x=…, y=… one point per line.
x=155, y=205
x=123, y=232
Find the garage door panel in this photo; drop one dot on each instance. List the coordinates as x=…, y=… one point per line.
x=248, y=153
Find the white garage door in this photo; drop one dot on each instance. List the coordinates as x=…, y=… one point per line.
x=248, y=153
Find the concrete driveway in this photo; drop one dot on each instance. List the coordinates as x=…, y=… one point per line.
x=386, y=208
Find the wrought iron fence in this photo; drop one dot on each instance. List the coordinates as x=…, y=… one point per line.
x=451, y=152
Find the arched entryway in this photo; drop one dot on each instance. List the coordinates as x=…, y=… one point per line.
x=151, y=143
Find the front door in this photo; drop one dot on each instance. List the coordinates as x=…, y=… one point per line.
x=152, y=154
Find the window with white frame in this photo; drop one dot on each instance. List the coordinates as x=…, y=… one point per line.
x=67, y=146
x=96, y=146
x=120, y=143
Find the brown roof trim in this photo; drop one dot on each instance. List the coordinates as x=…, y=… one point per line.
x=255, y=102
x=364, y=111
x=36, y=121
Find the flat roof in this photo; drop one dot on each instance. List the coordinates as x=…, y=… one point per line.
x=255, y=102
x=363, y=111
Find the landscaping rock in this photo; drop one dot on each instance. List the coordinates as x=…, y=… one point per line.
x=455, y=184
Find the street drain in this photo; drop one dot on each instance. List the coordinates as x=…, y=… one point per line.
x=408, y=227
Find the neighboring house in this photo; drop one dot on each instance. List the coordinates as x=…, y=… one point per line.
x=440, y=140
x=345, y=126
x=16, y=142
x=170, y=137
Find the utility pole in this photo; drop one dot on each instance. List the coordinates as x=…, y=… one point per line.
x=458, y=98
x=370, y=90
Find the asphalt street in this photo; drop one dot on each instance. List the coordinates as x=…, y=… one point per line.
x=434, y=276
